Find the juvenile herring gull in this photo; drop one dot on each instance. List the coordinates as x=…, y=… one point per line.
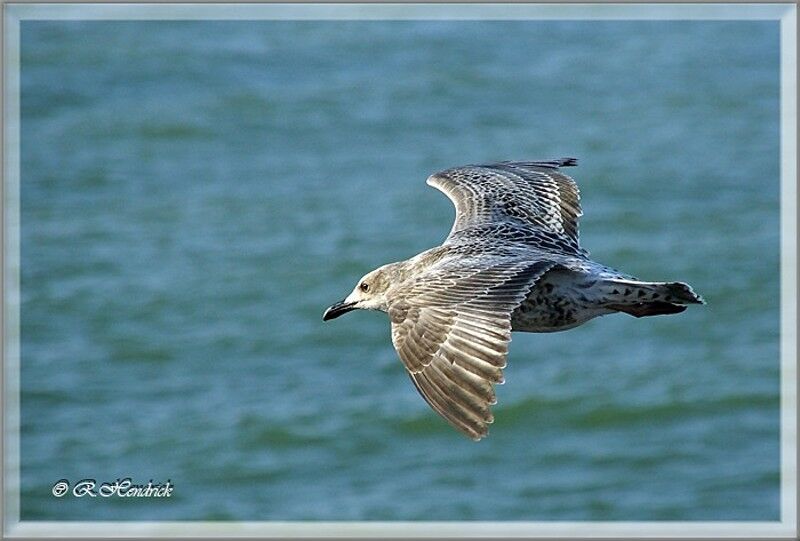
x=512, y=262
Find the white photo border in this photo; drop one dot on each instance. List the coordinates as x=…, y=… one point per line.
x=786, y=13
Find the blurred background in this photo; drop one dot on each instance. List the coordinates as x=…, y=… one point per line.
x=195, y=194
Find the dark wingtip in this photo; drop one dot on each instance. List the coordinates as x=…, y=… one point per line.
x=567, y=162
x=544, y=164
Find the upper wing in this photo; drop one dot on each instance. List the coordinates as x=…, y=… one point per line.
x=452, y=328
x=535, y=198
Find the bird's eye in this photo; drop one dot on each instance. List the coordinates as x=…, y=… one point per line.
x=364, y=286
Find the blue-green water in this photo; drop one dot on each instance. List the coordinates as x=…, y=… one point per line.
x=194, y=194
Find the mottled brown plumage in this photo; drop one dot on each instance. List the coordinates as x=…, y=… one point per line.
x=512, y=262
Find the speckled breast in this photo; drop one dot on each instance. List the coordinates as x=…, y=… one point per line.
x=560, y=300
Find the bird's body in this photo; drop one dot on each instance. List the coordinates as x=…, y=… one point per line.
x=512, y=262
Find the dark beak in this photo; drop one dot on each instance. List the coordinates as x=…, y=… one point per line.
x=338, y=309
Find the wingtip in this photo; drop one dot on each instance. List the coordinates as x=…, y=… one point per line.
x=567, y=162
x=545, y=164
x=479, y=437
x=477, y=434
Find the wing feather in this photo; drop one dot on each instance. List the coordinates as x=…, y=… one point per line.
x=451, y=329
x=529, y=202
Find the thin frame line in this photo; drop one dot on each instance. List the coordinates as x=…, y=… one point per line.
x=785, y=12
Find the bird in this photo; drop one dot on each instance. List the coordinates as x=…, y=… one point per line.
x=511, y=262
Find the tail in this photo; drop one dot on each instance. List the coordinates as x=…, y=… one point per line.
x=641, y=299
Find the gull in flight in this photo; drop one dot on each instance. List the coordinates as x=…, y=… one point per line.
x=512, y=262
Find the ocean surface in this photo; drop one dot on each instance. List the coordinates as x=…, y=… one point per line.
x=195, y=194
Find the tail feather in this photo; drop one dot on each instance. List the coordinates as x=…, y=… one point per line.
x=654, y=308
x=681, y=293
x=641, y=299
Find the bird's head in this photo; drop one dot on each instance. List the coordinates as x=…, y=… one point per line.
x=369, y=293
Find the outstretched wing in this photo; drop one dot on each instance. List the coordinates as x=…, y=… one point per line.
x=532, y=201
x=451, y=329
